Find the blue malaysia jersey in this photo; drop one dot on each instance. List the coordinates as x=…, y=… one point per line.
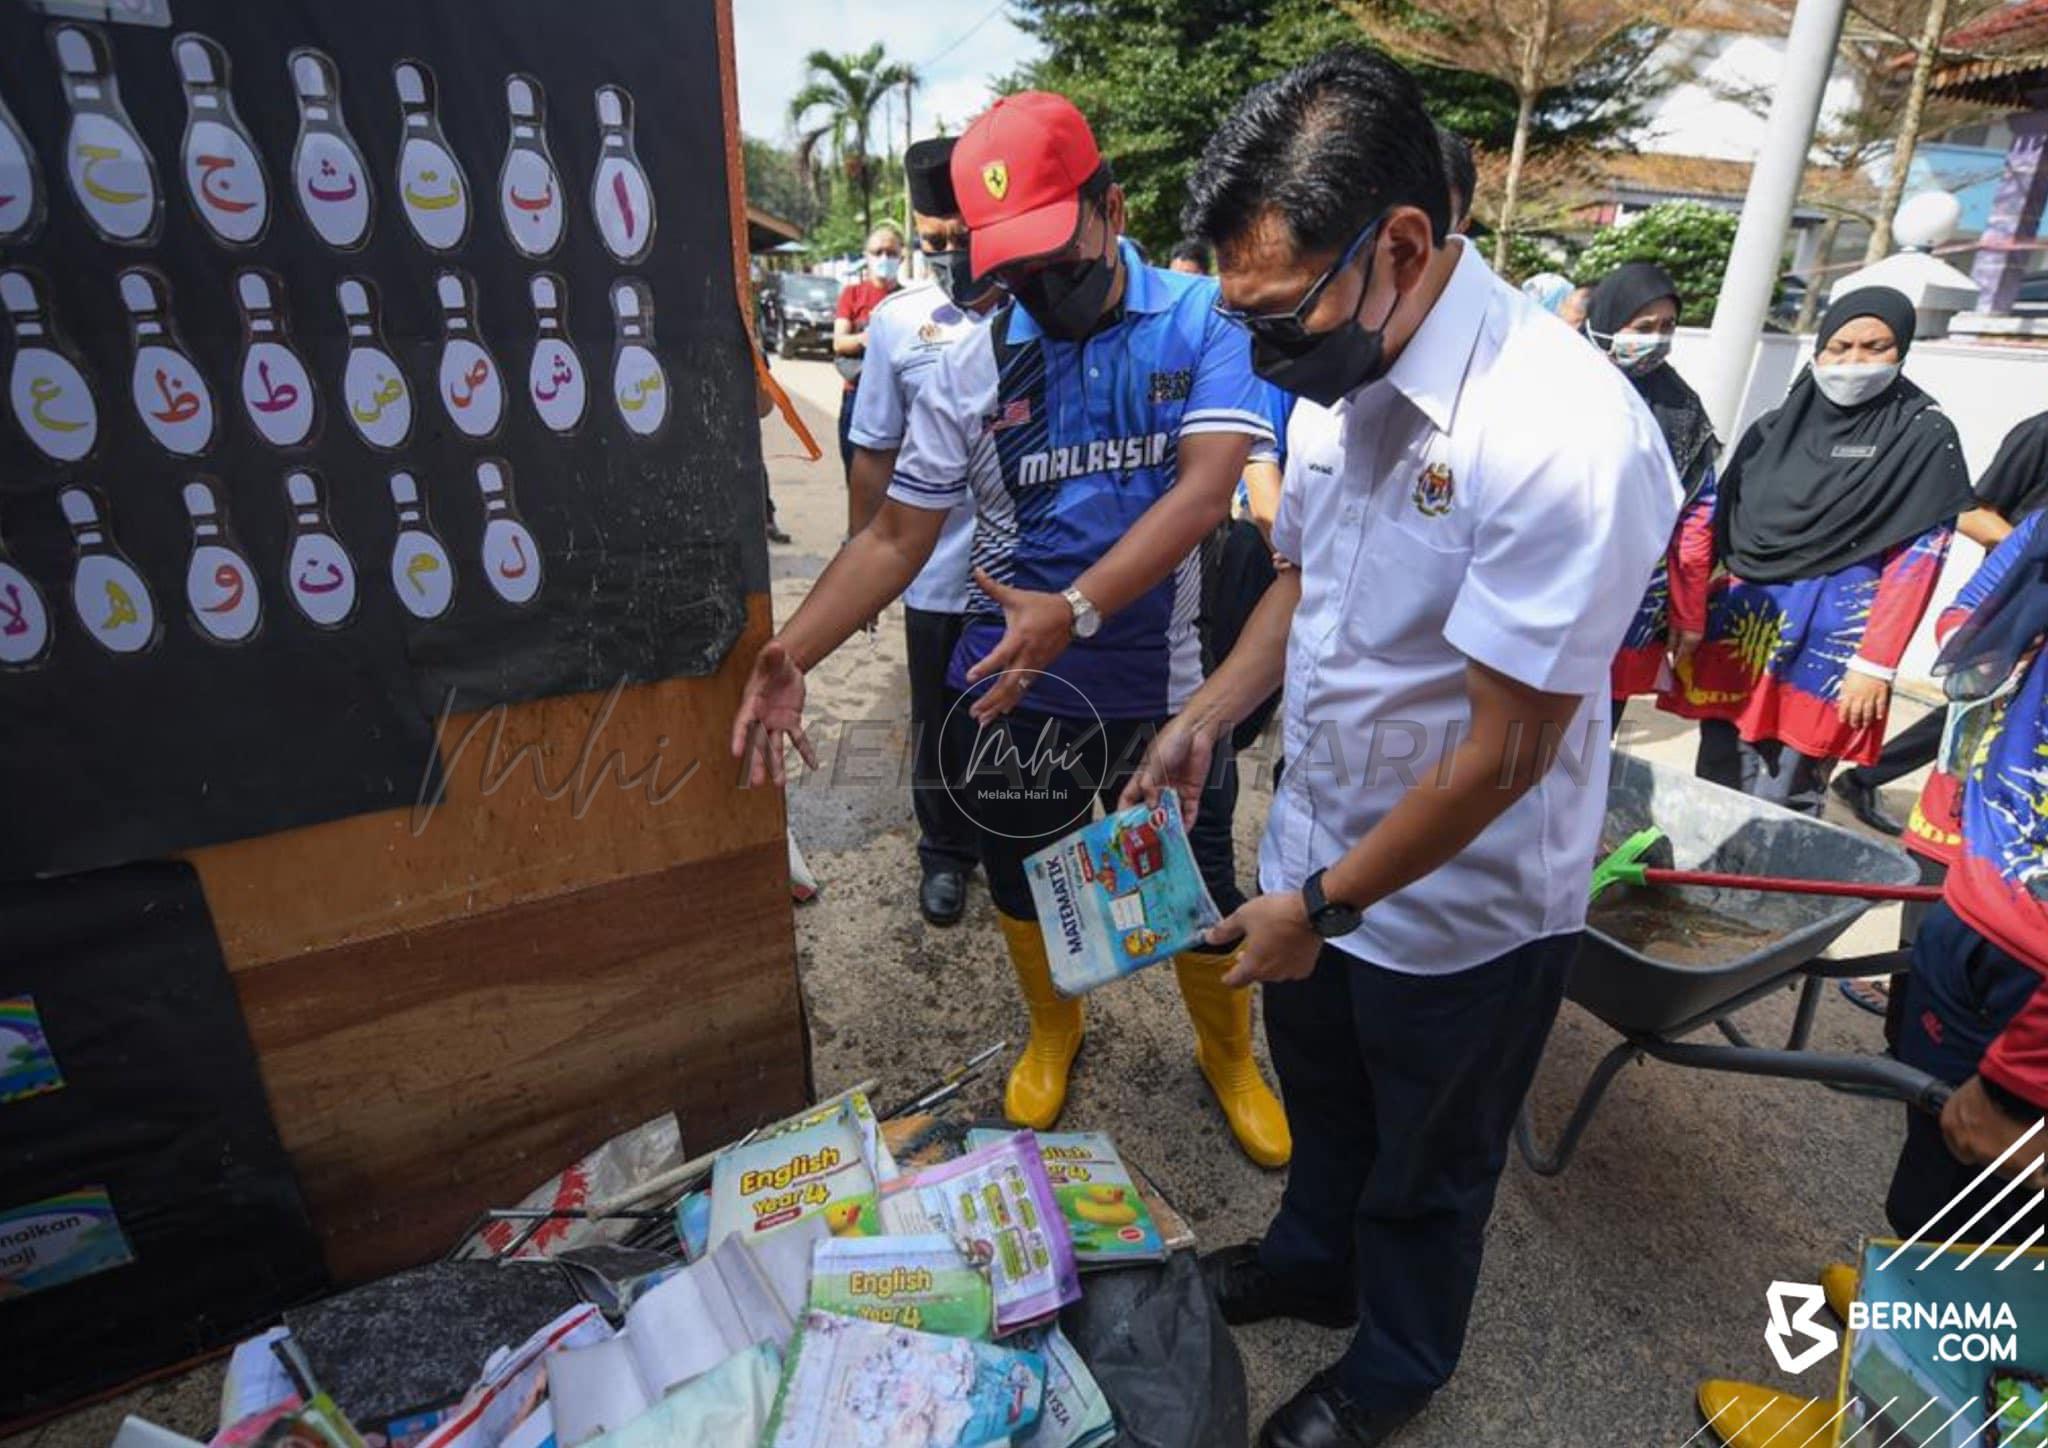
x=1063, y=446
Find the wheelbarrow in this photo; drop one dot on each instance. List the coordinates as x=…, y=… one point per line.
x=1656, y=999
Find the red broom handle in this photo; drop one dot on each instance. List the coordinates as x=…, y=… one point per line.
x=1715, y=880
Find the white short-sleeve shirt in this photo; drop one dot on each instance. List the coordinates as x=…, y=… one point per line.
x=906, y=334
x=1502, y=495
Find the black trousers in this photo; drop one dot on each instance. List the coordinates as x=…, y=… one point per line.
x=1960, y=993
x=946, y=837
x=1401, y=1091
x=1237, y=569
x=846, y=397
x=1028, y=780
x=1770, y=770
x=1904, y=752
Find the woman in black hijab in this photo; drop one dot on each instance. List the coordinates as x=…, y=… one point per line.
x=1834, y=517
x=1631, y=317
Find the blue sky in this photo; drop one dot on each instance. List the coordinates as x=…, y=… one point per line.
x=771, y=38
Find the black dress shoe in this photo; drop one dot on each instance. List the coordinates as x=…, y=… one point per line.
x=1322, y=1416
x=1861, y=796
x=943, y=897
x=1247, y=1292
x=776, y=535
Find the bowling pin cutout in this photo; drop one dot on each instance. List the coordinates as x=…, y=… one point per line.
x=421, y=574
x=432, y=190
x=329, y=176
x=318, y=573
x=220, y=586
x=223, y=174
x=511, y=558
x=277, y=391
x=639, y=386
x=373, y=390
x=554, y=378
x=108, y=595
x=21, y=182
x=471, y=388
x=52, y=402
x=24, y=618
x=171, y=397
x=111, y=173
x=620, y=197
x=529, y=186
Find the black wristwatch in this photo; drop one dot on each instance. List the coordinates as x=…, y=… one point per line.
x=1326, y=917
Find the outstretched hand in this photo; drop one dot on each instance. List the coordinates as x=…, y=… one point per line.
x=1036, y=629
x=771, y=717
x=1179, y=759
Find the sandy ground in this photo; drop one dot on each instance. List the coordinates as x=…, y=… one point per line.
x=1608, y=1292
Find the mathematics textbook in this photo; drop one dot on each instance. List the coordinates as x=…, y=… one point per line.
x=1118, y=895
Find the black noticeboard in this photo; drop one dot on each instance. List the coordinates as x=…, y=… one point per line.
x=361, y=358
x=147, y=1210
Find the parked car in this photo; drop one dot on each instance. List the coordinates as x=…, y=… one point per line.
x=796, y=313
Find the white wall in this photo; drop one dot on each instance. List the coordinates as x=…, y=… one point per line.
x=1984, y=391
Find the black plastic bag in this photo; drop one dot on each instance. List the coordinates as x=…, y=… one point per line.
x=1156, y=1342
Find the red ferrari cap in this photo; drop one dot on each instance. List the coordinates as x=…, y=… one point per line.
x=1018, y=173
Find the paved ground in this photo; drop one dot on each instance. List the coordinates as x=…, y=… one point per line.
x=1607, y=1292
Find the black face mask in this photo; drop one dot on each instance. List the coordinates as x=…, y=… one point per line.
x=1326, y=367
x=1066, y=300
x=955, y=276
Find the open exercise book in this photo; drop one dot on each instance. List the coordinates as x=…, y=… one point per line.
x=849, y=1381
x=736, y=1297
x=1118, y=895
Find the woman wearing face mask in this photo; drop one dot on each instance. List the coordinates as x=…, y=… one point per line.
x=1834, y=517
x=857, y=302
x=1631, y=317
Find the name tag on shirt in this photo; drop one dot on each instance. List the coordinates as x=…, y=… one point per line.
x=1854, y=450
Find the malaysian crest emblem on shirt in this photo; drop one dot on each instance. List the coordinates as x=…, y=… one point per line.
x=1434, y=490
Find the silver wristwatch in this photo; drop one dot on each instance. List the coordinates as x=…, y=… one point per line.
x=1086, y=619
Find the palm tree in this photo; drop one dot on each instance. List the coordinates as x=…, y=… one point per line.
x=837, y=104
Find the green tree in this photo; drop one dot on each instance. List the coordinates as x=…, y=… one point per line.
x=1689, y=239
x=836, y=105
x=1156, y=77
x=775, y=185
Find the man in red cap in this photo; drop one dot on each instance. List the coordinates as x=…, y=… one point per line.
x=1098, y=423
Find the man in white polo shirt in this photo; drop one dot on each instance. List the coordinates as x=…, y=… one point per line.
x=1472, y=500
x=905, y=335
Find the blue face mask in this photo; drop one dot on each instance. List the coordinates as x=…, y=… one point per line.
x=883, y=265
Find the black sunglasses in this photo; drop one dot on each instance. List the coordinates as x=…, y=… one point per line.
x=1289, y=326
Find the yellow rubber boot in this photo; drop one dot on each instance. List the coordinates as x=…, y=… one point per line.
x=1223, y=1049
x=1838, y=1281
x=1038, y=1082
x=1748, y=1415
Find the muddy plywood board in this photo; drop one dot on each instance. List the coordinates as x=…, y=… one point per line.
x=418, y=1077
x=543, y=798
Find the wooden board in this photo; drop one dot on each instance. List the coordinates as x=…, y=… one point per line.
x=535, y=806
x=419, y=1076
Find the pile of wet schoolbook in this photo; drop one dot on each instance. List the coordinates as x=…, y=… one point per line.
x=826, y=1288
